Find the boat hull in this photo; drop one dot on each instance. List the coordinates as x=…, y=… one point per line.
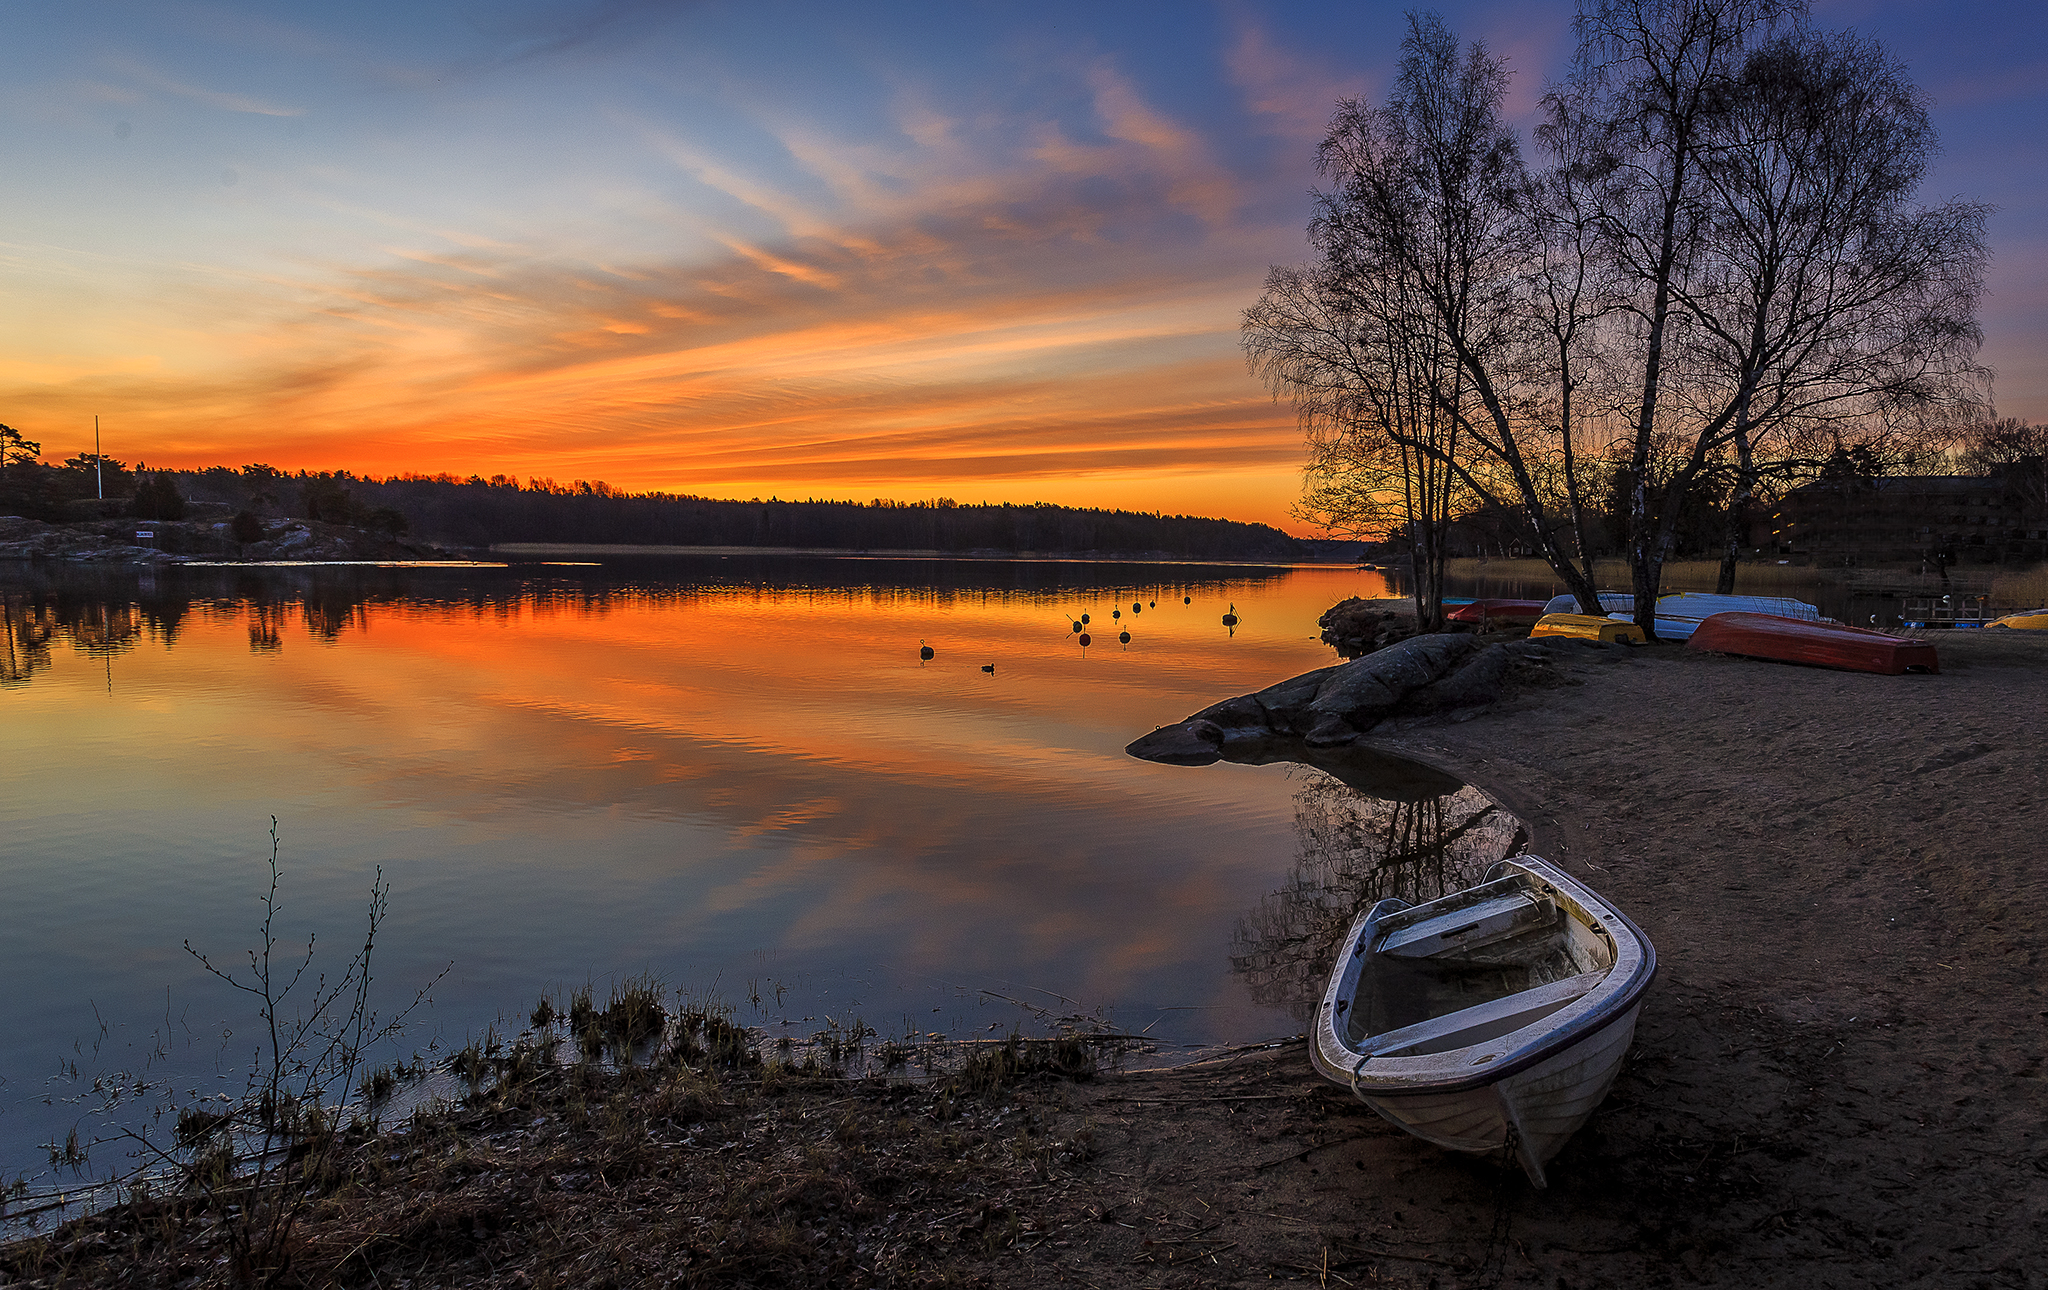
x=1536, y=1110
x=1588, y=627
x=1792, y=640
x=2034, y=620
x=1500, y=611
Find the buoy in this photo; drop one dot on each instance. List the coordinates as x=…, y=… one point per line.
x=1123, y=638
x=1084, y=618
x=924, y=651
x=1076, y=626
x=1187, y=600
x=1230, y=619
x=989, y=668
x=1135, y=606
x=1085, y=642
x=1151, y=604
x=1116, y=613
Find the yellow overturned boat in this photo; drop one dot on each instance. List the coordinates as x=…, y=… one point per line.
x=2027, y=620
x=1588, y=627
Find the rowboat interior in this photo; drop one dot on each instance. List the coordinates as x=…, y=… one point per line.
x=1476, y=965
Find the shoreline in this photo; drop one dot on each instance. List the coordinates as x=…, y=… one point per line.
x=1835, y=1080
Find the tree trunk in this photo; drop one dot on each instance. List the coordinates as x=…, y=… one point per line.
x=1738, y=507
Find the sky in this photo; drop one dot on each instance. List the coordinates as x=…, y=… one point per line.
x=980, y=251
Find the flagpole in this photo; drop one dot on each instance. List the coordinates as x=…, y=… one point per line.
x=99, y=479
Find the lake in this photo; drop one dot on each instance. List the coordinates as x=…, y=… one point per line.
x=732, y=772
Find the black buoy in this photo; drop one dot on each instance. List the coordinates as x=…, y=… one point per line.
x=1187, y=600
x=989, y=668
x=1116, y=613
x=1085, y=641
x=1123, y=638
x=924, y=651
x=1084, y=618
x=1230, y=619
x=1151, y=604
x=1136, y=606
x=1076, y=626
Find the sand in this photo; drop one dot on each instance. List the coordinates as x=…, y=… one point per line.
x=1837, y=1077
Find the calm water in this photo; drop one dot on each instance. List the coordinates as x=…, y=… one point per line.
x=733, y=773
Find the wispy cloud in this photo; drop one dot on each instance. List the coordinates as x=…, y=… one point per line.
x=226, y=100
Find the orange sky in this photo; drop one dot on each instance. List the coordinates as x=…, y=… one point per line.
x=998, y=257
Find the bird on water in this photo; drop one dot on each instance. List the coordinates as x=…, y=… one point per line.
x=989, y=668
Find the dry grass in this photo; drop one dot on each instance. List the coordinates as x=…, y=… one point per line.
x=685, y=1159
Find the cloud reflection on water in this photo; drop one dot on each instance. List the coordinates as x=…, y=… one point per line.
x=710, y=769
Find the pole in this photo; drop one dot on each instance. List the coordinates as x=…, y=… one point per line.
x=99, y=480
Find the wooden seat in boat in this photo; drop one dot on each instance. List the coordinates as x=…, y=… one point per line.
x=1481, y=1021
x=1467, y=928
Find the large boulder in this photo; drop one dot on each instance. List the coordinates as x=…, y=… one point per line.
x=1335, y=705
x=1357, y=627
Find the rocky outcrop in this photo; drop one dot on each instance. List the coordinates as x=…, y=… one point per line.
x=1423, y=675
x=1357, y=627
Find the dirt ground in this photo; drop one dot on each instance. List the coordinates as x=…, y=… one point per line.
x=1837, y=1077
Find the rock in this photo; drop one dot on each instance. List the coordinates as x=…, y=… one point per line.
x=1449, y=674
x=1355, y=627
x=1334, y=705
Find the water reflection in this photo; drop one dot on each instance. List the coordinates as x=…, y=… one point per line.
x=1397, y=829
x=101, y=610
x=716, y=770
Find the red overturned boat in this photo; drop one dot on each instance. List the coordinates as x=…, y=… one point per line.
x=1500, y=611
x=1798, y=640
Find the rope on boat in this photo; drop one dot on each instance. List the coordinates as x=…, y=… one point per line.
x=1495, y=1265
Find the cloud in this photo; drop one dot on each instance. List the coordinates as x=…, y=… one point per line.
x=225, y=100
x=1293, y=94
x=972, y=299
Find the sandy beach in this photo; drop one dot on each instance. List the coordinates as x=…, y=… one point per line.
x=1837, y=1079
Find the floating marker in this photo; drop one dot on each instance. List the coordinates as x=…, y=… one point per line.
x=1085, y=642
x=1123, y=638
x=924, y=651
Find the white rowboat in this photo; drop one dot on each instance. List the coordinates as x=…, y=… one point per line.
x=1494, y=1017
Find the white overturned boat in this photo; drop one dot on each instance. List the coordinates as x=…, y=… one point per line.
x=1495, y=1016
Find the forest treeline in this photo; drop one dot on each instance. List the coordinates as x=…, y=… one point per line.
x=479, y=511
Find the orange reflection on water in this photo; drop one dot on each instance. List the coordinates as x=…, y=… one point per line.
x=696, y=774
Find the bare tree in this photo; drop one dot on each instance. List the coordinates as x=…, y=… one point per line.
x=1430, y=238
x=1368, y=388
x=2014, y=450
x=1718, y=278
x=1755, y=182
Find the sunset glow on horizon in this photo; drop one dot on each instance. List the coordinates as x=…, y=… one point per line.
x=987, y=253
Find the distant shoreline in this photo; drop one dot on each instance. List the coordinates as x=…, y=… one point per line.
x=847, y=553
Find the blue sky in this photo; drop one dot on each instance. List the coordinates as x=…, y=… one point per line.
x=970, y=250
